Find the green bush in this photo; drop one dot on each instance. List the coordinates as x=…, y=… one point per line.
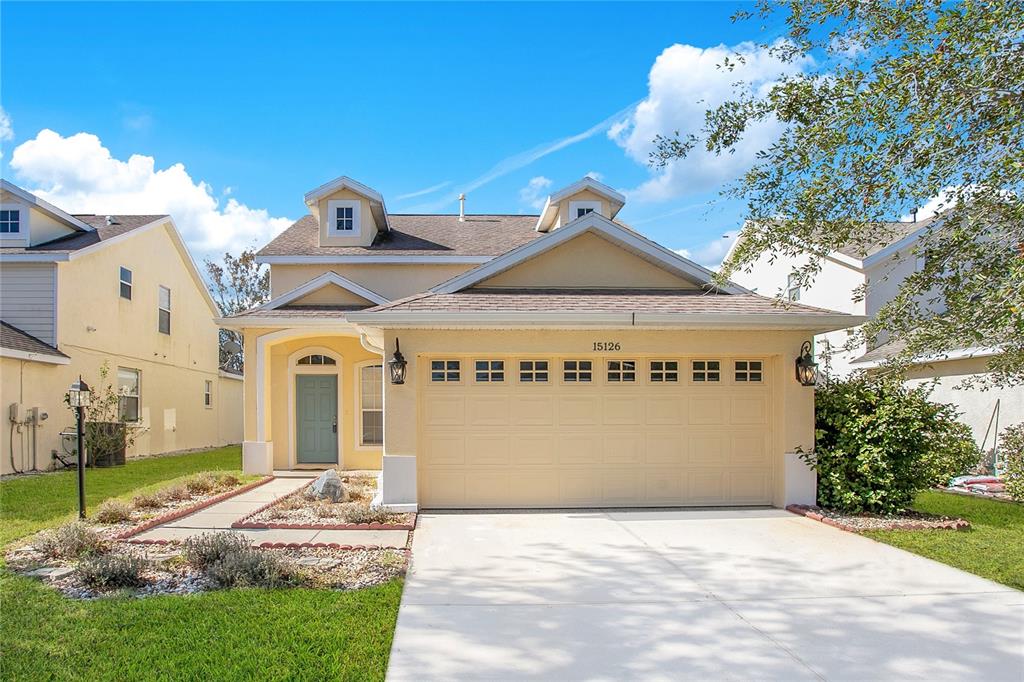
x=113, y=570
x=252, y=568
x=878, y=443
x=209, y=548
x=1011, y=445
x=70, y=541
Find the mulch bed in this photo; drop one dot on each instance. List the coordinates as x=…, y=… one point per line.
x=856, y=523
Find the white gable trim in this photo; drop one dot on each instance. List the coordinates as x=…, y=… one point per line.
x=645, y=248
x=385, y=260
x=46, y=207
x=319, y=282
x=345, y=182
x=547, y=214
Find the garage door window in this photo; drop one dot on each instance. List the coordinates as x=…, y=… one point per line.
x=533, y=371
x=748, y=371
x=664, y=371
x=490, y=371
x=577, y=371
x=705, y=371
x=445, y=371
x=620, y=371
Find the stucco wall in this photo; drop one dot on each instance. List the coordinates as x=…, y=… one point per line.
x=367, y=226
x=392, y=281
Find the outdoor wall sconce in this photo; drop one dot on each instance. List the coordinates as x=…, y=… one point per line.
x=806, y=367
x=396, y=365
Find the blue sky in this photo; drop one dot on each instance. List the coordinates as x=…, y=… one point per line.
x=243, y=107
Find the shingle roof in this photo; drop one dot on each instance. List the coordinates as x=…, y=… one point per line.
x=594, y=301
x=13, y=338
x=885, y=234
x=300, y=311
x=80, y=240
x=416, y=235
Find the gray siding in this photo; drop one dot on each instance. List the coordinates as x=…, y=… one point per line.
x=28, y=297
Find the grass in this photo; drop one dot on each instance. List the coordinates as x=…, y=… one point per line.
x=226, y=635
x=31, y=503
x=993, y=548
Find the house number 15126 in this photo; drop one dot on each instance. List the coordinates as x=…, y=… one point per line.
x=607, y=345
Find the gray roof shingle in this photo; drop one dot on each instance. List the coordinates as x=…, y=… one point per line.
x=13, y=338
x=80, y=240
x=886, y=234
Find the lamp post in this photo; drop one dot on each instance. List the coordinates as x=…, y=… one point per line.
x=78, y=398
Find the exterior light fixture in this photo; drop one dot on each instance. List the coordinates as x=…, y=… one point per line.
x=396, y=365
x=80, y=394
x=79, y=397
x=806, y=367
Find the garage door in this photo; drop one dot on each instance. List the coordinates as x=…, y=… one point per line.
x=506, y=432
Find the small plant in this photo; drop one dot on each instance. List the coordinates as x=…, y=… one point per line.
x=201, y=484
x=357, y=513
x=148, y=501
x=210, y=548
x=113, y=511
x=1011, y=445
x=112, y=571
x=176, y=492
x=324, y=510
x=250, y=567
x=71, y=541
x=228, y=481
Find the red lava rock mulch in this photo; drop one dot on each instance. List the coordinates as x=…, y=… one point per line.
x=855, y=523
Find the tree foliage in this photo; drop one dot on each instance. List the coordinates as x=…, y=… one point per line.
x=240, y=283
x=897, y=102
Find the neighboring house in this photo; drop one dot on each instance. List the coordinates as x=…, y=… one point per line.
x=77, y=291
x=559, y=360
x=880, y=270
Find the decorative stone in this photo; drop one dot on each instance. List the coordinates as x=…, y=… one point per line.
x=51, y=572
x=308, y=561
x=327, y=486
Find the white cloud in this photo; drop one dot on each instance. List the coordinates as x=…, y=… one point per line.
x=535, y=192
x=595, y=175
x=683, y=83
x=710, y=254
x=77, y=173
x=428, y=190
x=6, y=128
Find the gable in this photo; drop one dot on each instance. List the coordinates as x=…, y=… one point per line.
x=587, y=261
x=367, y=226
x=332, y=295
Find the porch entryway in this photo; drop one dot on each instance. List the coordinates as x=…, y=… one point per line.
x=316, y=419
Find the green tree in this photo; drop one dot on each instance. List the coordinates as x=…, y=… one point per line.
x=237, y=284
x=896, y=103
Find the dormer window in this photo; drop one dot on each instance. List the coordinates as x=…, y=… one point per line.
x=578, y=209
x=10, y=222
x=344, y=217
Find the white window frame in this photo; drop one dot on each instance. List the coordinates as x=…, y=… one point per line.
x=576, y=371
x=23, y=215
x=208, y=394
x=332, y=217
x=450, y=366
x=361, y=443
x=121, y=282
x=532, y=371
x=665, y=374
x=123, y=394
x=793, y=289
x=576, y=206
x=705, y=371
x=161, y=309
x=750, y=374
x=617, y=372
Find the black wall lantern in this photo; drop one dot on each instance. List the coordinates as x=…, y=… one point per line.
x=396, y=365
x=806, y=367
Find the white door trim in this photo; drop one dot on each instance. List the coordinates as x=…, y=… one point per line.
x=295, y=370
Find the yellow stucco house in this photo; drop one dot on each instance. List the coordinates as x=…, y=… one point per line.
x=78, y=291
x=508, y=361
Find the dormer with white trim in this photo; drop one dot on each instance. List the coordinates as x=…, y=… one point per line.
x=577, y=200
x=348, y=212
x=26, y=220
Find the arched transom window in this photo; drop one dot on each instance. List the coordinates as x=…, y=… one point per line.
x=316, y=359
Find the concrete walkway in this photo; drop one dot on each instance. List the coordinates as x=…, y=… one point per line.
x=722, y=595
x=220, y=516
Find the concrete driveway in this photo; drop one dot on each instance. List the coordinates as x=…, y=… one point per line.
x=724, y=594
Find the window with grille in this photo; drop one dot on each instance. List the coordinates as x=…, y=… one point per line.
x=748, y=371
x=533, y=371
x=793, y=288
x=577, y=371
x=707, y=370
x=316, y=359
x=490, y=371
x=371, y=405
x=129, y=393
x=208, y=394
x=164, y=311
x=664, y=371
x=445, y=371
x=10, y=221
x=125, y=281
x=621, y=371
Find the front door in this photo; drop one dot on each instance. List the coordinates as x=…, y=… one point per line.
x=316, y=419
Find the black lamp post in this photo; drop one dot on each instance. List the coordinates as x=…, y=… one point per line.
x=806, y=367
x=78, y=398
x=396, y=366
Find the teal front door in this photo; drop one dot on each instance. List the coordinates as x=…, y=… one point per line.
x=316, y=419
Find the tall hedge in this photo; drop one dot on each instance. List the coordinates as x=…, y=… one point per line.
x=878, y=443
x=1011, y=442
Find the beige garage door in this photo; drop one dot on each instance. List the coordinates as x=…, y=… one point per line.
x=505, y=432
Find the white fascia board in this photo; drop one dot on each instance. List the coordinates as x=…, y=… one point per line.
x=228, y=375
x=319, y=282
x=46, y=207
x=376, y=260
x=591, y=184
x=33, y=357
x=251, y=321
x=545, y=217
x=962, y=354
x=655, y=252
x=813, y=322
x=40, y=257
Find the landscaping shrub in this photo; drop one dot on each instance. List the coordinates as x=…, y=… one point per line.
x=148, y=501
x=70, y=541
x=209, y=548
x=250, y=567
x=325, y=510
x=176, y=492
x=112, y=570
x=1011, y=445
x=113, y=511
x=357, y=513
x=228, y=481
x=201, y=484
x=878, y=443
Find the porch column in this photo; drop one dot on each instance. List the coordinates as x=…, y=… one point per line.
x=257, y=450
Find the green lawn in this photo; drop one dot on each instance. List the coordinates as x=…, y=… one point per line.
x=224, y=635
x=993, y=548
x=31, y=503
